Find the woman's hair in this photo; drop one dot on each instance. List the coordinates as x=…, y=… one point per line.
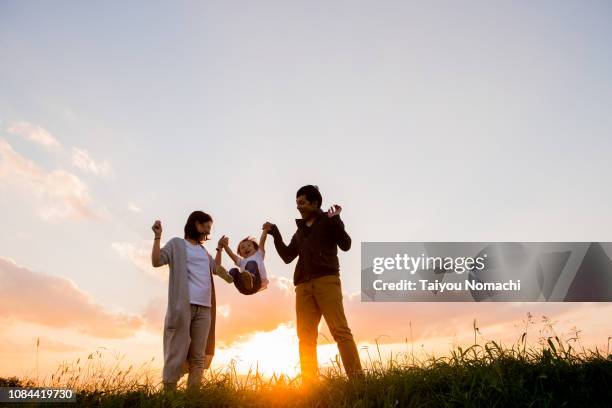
x=191, y=231
x=255, y=244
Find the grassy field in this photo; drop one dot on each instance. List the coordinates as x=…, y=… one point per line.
x=555, y=374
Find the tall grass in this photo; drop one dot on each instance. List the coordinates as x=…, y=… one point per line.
x=558, y=371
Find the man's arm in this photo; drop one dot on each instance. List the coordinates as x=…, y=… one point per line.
x=287, y=252
x=342, y=237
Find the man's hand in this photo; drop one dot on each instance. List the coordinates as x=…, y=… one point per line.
x=157, y=228
x=271, y=229
x=223, y=242
x=334, y=210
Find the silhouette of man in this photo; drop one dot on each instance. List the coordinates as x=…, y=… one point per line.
x=317, y=279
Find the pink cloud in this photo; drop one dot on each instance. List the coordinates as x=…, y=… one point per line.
x=139, y=254
x=46, y=345
x=62, y=195
x=82, y=160
x=33, y=133
x=55, y=301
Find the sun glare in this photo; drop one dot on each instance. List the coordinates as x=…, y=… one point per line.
x=271, y=353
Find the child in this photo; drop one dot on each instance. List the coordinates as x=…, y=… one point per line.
x=250, y=275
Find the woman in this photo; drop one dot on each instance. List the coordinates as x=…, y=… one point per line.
x=189, y=327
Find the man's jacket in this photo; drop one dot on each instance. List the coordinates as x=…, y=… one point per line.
x=316, y=247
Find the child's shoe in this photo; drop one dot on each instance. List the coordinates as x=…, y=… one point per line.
x=247, y=279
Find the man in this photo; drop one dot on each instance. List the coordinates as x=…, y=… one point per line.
x=317, y=280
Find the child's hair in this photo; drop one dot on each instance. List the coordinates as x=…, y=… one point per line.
x=253, y=240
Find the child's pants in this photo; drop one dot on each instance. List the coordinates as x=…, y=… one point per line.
x=253, y=269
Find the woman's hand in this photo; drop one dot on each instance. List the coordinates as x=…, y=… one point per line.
x=157, y=228
x=223, y=242
x=156, y=252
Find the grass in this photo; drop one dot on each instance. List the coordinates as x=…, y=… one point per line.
x=555, y=373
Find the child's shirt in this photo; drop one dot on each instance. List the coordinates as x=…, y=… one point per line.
x=258, y=257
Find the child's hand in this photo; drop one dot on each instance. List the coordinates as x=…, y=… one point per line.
x=267, y=227
x=334, y=210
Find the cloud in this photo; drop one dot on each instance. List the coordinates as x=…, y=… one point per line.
x=32, y=132
x=82, y=160
x=140, y=256
x=46, y=345
x=224, y=310
x=62, y=194
x=155, y=312
x=133, y=207
x=56, y=301
x=79, y=157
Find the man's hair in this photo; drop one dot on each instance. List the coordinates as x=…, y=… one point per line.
x=312, y=194
x=253, y=240
x=191, y=231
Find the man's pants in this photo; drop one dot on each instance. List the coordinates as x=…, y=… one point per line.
x=323, y=297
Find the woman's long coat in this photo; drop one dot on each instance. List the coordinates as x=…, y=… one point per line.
x=178, y=313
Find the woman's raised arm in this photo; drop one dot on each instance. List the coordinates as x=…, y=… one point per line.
x=156, y=251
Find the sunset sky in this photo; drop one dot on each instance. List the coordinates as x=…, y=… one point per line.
x=426, y=121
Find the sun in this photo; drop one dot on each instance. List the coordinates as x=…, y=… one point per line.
x=271, y=353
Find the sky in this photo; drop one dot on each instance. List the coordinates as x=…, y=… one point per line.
x=426, y=121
